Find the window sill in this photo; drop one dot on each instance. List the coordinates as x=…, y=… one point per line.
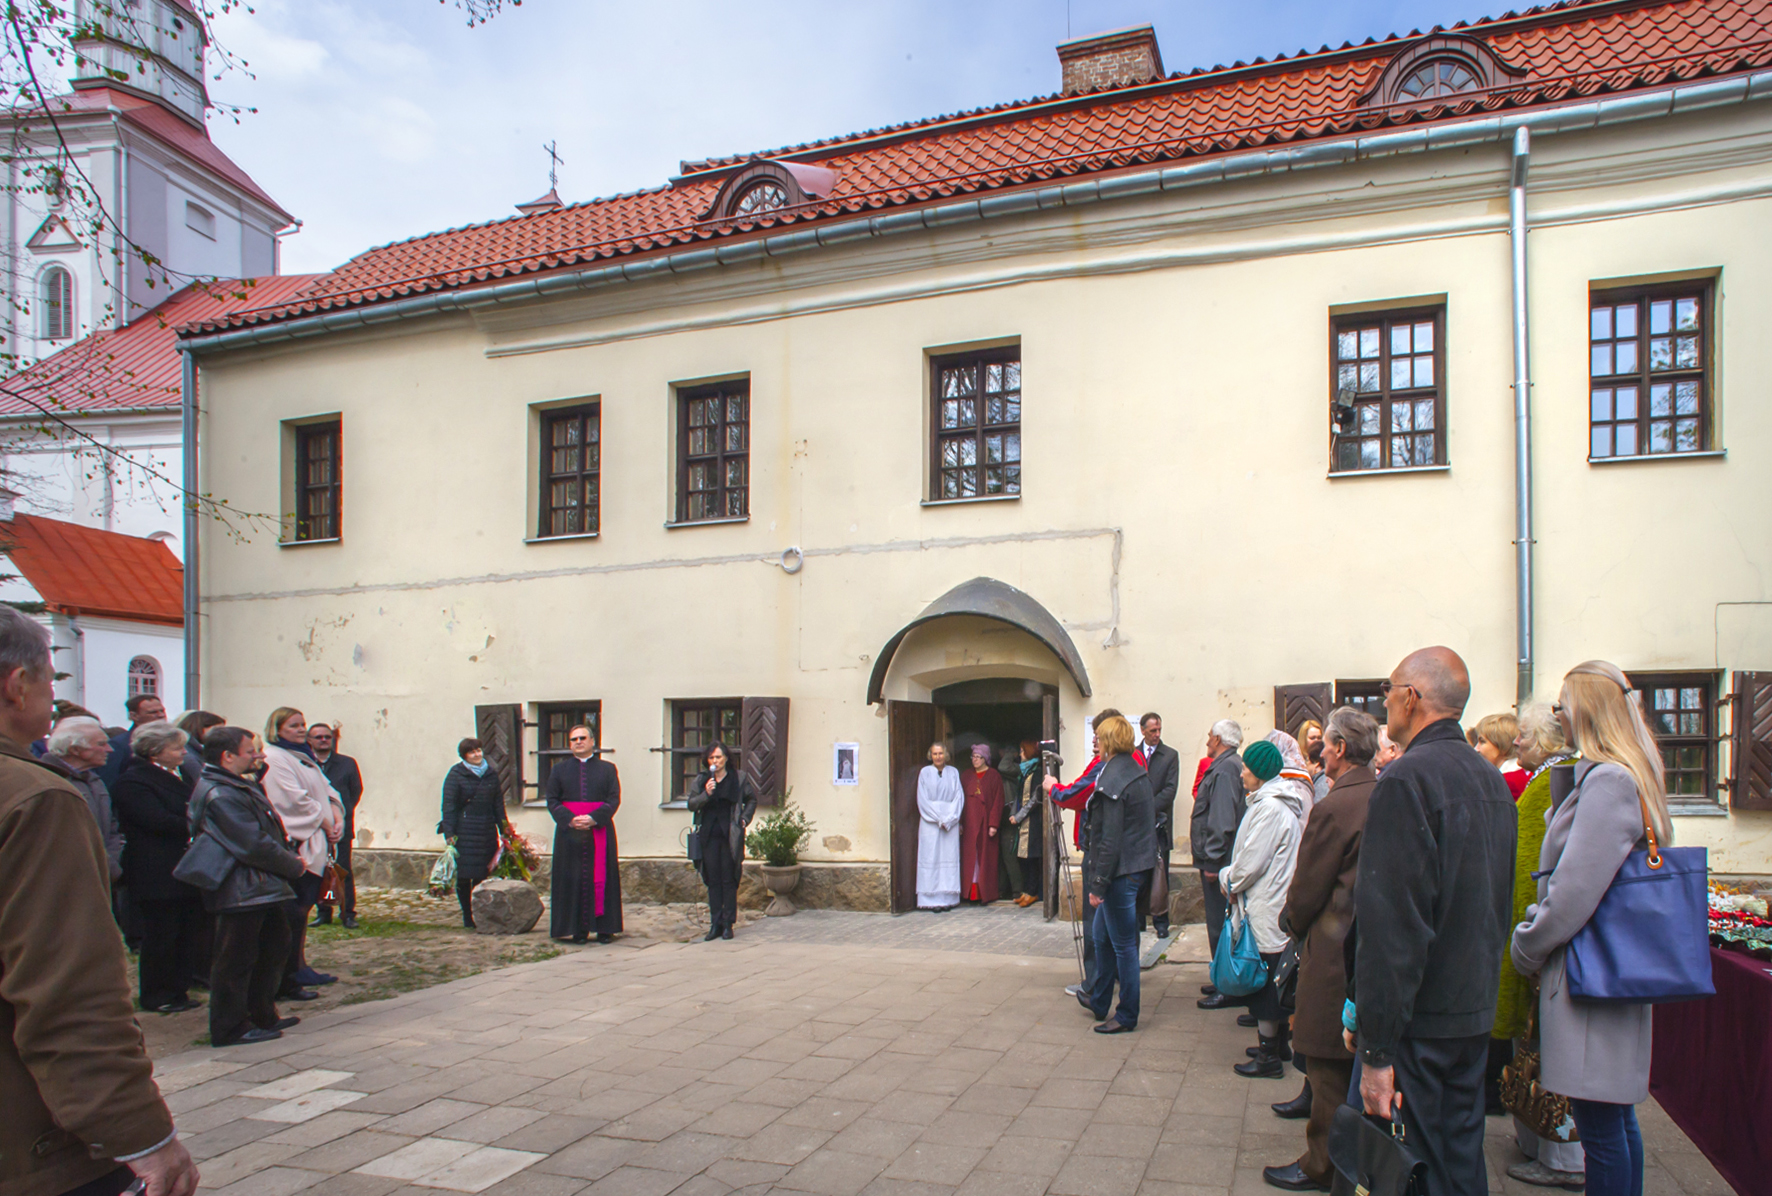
x=553, y=539
x=1373, y=473
x=960, y=502
x=306, y=543
x=672, y=524
x=1698, y=809
x=1639, y=458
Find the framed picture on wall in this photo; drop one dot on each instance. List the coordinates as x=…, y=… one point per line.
x=846, y=764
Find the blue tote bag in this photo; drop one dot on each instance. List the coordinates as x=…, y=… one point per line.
x=1648, y=942
x=1237, y=969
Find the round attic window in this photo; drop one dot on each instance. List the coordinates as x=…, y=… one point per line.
x=764, y=196
x=1441, y=77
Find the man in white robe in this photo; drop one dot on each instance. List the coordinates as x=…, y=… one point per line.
x=940, y=801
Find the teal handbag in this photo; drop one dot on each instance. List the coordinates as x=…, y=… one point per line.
x=1237, y=968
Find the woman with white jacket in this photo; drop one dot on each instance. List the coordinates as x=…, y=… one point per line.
x=313, y=818
x=1260, y=872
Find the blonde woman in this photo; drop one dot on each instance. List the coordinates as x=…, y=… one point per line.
x=1596, y=1054
x=1493, y=737
x=314, y=818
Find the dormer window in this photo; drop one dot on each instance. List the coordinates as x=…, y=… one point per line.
x=761, y=197
x=1440, y=77
x=1439, y=68
x=763, y=186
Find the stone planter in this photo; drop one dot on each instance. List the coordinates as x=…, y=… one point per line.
x=780, y=882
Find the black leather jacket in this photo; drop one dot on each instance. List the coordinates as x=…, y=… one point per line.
x=235, y=812
x=1122, y=831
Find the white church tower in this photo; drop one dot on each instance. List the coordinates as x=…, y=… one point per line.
x=133, y=138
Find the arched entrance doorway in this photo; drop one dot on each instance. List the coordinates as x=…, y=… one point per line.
x=985, y=662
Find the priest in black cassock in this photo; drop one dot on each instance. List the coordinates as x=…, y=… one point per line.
x=583, y=794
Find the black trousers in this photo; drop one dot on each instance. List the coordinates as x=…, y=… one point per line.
x=172, y=946
x=721, y=874
x=464, y=896
x=1218, y=908
x=307, y=892
x=251, y=949
x=1264, y=1003
x=1441, y=1080
x=347, y=880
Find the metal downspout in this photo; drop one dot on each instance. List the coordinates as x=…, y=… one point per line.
x=188, y=405
x=1516, y=226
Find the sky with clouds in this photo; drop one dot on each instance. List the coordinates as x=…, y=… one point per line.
x=379, y=120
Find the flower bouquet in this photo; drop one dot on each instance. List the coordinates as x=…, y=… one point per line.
x=517, y=856
x=1738, y=922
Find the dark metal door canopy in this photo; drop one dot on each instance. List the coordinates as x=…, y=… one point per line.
x=988, y=598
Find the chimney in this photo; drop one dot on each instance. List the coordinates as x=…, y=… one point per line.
x=1115, y=59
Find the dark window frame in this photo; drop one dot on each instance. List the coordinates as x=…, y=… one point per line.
x=588, y=419
x=1704, y=740
x=310, y=525
x=979, y=431
x=1644, y=379
x=1365, y=694
x=728, y=501
x=685, y=757
x=554, y=719
x=1346, y=412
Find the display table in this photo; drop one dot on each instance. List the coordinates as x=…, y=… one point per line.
x=1712, y=1070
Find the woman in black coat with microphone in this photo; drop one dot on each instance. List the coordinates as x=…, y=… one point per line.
x=723, y=802
x=473, y=812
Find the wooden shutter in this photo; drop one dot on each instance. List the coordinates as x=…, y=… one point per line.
x=1750, y=781
x=500, y=731
x=1295, y=703
x=763, y=746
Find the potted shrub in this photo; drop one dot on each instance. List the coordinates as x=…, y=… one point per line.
x=776, y=839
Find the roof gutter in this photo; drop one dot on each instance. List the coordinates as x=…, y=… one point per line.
x=1496, y=129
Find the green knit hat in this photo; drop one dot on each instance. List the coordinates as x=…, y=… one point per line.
x=1263, y=759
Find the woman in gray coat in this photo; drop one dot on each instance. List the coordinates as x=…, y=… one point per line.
x=1595, y=1054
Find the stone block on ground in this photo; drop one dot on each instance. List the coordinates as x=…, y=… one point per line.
x=506, y=907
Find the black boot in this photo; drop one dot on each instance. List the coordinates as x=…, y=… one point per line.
x=1296, y=1108
x=712, y=934
x=1267, y=1064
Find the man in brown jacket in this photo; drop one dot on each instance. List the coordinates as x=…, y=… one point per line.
x=1319, y=910
x=81, y=1112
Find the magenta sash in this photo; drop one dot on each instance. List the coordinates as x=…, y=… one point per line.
x=599, y=837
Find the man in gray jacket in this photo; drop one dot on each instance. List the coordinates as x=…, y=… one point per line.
x=1212, y=833
x=79, y=745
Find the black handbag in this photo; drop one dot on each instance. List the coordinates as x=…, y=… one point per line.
x=205, y=865
x=694, y=846
x=1286, y=976
x=1371, y=1157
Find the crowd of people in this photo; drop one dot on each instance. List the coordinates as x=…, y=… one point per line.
x=279, y=807
x=1410, y=888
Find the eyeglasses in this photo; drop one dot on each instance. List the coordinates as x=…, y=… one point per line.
x=1557, y=709
x=579, y=739
x=1385, y=687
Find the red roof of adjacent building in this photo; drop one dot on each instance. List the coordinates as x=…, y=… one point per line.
x=1564, y=51
x=87, y=571
x=135, y=367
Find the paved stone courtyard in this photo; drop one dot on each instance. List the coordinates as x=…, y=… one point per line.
x=825, y=1053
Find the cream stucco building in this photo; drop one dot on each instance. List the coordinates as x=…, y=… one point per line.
x=1206, y=293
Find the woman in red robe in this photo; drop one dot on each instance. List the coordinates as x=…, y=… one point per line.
x=979, y=821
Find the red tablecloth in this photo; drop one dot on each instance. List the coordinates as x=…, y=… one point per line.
x=1712, y=1070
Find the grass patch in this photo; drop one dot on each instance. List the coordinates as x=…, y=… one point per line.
x=411, y=974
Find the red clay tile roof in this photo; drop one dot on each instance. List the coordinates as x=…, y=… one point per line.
x=1567, y=51
x=136, y=367
x=85, y=571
